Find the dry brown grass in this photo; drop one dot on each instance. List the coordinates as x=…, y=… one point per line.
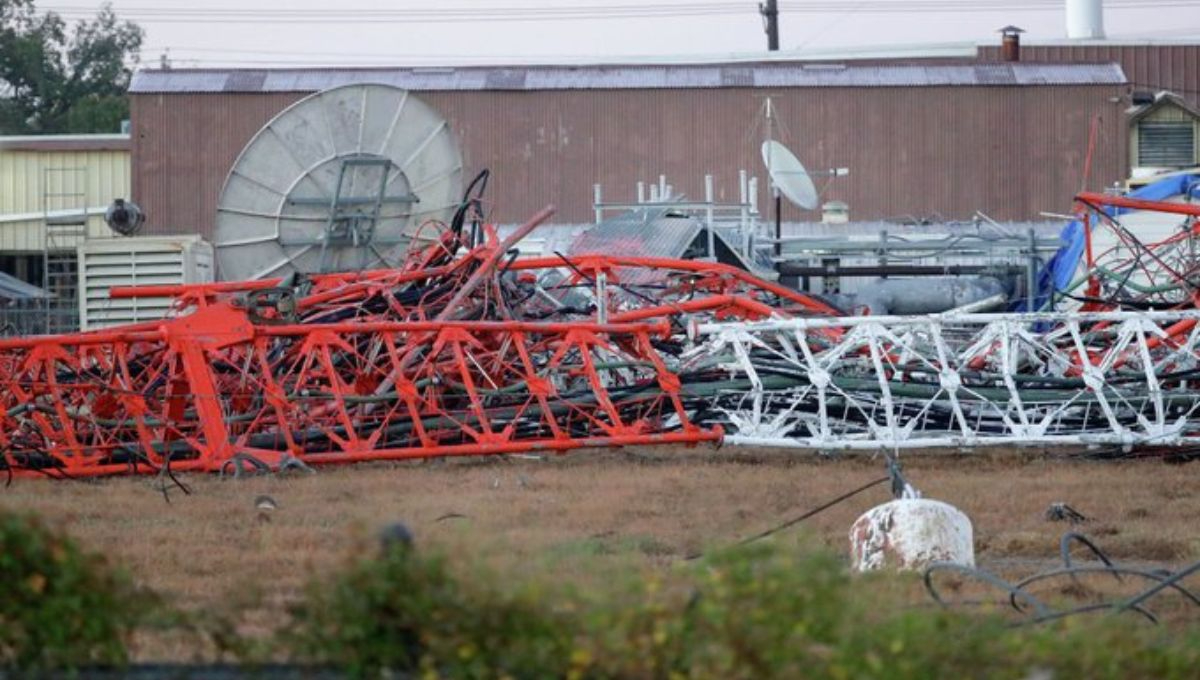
x=585, y=515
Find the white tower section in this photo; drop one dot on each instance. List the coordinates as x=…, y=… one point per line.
x=1085, y=19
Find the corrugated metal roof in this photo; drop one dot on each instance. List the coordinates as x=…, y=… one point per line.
x=1154, y=66
x=643, y=232
x=682, y=76
x=98, y=142
x=12, y=288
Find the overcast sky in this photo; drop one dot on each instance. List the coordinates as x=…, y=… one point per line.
x=398, y=32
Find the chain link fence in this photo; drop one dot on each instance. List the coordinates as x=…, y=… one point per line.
x=38, y=317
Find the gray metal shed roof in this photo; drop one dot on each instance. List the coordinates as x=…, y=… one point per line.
x=86, y=142
x=627, y=77
x=652, y=232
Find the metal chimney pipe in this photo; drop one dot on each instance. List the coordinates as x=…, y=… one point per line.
x=1010, y=43
x=1010, y=48
x=1085, y=19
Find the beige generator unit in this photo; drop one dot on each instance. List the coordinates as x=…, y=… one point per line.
x=140, y=261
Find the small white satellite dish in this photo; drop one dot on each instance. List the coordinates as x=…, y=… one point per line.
x=789, y=175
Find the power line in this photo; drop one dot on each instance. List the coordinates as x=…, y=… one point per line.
x=458, y=14
x=359, y=19
x=742, y=6
x=180, y=53
x=440, y=14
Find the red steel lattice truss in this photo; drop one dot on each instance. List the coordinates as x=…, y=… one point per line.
x=447, y=355
x=471, y=351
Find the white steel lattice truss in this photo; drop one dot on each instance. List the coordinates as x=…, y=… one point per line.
x=1112, y=378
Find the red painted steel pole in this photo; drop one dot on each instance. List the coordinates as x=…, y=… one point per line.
x=1091, y=198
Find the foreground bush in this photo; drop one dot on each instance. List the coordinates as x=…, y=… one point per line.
x=402, y=612
x=758, y=613
x=59, y=607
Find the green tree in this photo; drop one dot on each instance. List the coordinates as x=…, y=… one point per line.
x=59, y=79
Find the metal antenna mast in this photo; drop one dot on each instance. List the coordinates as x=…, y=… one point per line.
x=774, y=188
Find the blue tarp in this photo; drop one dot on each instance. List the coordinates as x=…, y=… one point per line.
x=1060, y=269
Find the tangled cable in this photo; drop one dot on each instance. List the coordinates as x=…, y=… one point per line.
x=1035, y=610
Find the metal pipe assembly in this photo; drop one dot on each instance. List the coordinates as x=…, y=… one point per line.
x=465, y=350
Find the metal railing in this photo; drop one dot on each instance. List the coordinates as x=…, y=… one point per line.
x=38, y=317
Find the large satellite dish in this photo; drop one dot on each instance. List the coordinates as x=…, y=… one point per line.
x=341, y=180
x=789, y=175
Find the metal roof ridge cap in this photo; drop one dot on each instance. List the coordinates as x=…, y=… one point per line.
x=781, y=63
x=564, y=77
x=68, y=137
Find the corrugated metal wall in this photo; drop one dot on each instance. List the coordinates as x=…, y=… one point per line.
x=1008, y=151
x=104, y=175
x=1147, y=67
x=183, y=146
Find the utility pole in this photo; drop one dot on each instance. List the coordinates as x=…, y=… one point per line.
x=770, y=12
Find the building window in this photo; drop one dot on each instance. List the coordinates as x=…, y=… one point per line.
x=23, y=266
x=1166, y=144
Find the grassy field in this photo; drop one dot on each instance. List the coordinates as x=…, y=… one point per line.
x=585, y=515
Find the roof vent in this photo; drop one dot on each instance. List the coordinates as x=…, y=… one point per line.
x=835, y=212
x=1143, y=97
x=1010, y=43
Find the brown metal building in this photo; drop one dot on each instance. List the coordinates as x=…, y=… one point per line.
x=920, y=139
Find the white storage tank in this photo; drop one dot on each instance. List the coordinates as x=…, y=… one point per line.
x=140, y=261
x=1085, y=19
